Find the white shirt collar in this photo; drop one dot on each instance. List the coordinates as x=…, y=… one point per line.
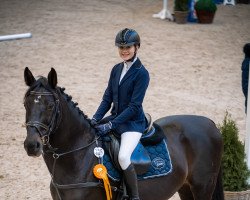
x=129, y=64
x=126, y=67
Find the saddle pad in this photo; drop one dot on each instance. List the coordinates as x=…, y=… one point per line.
x=161, y=164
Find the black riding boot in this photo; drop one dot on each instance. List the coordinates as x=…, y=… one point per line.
x=131, y=182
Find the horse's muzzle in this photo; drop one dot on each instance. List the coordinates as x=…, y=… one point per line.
x=33, y=146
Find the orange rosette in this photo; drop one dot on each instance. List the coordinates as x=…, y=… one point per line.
x=100, y=172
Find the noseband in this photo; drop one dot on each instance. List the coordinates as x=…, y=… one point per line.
x=55, y=121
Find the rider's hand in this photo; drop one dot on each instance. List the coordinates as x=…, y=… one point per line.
x=93, y=122
x=103, y=129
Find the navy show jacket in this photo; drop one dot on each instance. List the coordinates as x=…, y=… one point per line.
x=244, y=77
x=245, y=73
x=127, y=97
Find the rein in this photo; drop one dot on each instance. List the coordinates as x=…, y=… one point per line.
x=45, y=137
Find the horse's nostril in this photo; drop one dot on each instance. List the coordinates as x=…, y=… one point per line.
x=38, y=145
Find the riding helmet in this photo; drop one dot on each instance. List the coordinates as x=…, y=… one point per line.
x=127, y=37
x=246, y=50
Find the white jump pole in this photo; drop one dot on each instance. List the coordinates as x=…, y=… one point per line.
x=164, y=13
x=247, y=140
x=165, y=4
x=15, y=36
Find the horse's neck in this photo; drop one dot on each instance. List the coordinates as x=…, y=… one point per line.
x=74, y=128
x=73, y=132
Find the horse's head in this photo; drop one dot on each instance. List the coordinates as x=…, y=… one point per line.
x=42, y=108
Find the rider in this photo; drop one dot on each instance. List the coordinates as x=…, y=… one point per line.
x=126, y=89
x=245, y=72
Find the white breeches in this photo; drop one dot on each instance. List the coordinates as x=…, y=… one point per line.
x=129, y=141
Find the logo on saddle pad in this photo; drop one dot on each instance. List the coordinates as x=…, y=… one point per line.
x=158, y=163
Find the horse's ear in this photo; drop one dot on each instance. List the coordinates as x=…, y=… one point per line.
x=28, y=77
x=52, y=78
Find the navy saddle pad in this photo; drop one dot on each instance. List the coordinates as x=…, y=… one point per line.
x=161, y=164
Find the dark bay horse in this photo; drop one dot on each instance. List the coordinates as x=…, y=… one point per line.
x=61, y=132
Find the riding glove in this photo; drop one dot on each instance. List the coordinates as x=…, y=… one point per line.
x=103, y=129
x=93, y=122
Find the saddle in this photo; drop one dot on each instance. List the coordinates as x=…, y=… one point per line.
x=140, y=157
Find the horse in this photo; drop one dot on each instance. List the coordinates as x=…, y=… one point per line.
x=59, y=131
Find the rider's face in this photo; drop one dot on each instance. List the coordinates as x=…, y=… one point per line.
x=126, y=53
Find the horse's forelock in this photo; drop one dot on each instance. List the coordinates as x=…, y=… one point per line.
x=40, y=80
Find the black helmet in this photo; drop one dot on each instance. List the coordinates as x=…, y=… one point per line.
x=246, y=50
x=127, y=37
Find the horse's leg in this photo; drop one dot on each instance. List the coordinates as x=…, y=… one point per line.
x=205, y=166
x=185, y=193
x=203, y=186
x=53, y=192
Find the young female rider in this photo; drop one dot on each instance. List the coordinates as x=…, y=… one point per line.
x=126, y=89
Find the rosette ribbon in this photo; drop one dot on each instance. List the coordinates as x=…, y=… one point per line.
x=100, y=172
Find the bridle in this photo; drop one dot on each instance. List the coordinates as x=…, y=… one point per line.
x=55, y=120
x=45, y=137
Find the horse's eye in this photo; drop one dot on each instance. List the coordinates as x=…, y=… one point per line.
x=50, y=106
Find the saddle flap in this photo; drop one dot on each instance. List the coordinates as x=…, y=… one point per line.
x=141, y=160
